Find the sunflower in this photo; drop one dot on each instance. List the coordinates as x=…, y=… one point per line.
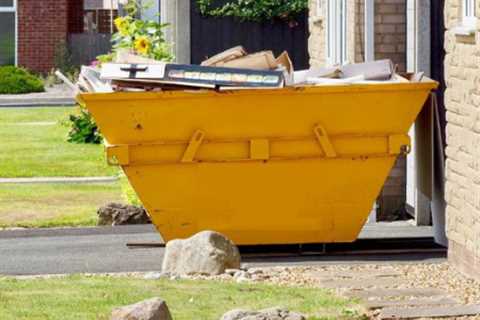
x=122, y=25
x=142, y=45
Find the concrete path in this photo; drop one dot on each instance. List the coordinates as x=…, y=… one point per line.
x=392, y=295
x=97, y=250
x=76, y=180
x=59, y=95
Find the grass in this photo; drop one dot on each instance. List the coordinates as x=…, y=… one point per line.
x=84, y=297
x=54, y=205
x=33, y=144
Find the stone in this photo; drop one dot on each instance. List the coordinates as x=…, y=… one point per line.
x=206, y=253
x=231, y=272
x=114, y=214
x=267, y=314
x=241, y=277
x=155, y=276
x=281, y=313
x=237, y=314
x=240, y=274
x=152, y=309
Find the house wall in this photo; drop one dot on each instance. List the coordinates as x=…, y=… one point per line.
x=390, y=42
x=42, y=25
x=462, y=101
x=390, y=31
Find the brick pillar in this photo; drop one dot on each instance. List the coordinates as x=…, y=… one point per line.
x=42, y=25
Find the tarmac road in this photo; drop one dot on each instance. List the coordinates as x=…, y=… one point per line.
x=103, y=250
x=94, y=251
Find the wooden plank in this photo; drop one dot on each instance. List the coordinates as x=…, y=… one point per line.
x=377, y=304
x=430, y=312
x=382, y=293
x=363, y=283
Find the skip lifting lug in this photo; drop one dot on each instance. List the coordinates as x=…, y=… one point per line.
x=405, y=149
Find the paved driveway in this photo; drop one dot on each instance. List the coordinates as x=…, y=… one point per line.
x=98, y=250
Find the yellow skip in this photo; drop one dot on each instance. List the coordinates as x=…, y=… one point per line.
x=296, y=165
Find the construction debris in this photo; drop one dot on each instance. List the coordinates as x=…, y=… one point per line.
x=233, y=69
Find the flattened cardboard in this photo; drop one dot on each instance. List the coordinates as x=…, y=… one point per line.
x=375, y=70
x=284, y=60
x=264, y=60
x=225, y=56
x=301, y=76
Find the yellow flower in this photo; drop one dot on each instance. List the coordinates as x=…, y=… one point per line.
x=142, y=45
x=122, y=25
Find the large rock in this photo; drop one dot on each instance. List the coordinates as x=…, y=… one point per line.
x=114, y=214
x=152, y=309
x=207, y=252
x=267, y=314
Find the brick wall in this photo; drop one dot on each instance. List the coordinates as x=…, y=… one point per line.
x=42, y=25
x=391, y=31
x=462, y=101
x=390, y=42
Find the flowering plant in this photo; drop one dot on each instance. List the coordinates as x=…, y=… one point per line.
x=144, y=38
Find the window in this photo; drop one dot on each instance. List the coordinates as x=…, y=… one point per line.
x=7, y=32
x=468, y=24
x=468, y=9
x=336, y=32
x=99, y=15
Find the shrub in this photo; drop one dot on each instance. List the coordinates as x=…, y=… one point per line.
x=83, y=128
x=15, y=80
x=63, y=58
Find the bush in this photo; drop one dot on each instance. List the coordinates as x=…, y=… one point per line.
x=83, y=128
x=15, y=80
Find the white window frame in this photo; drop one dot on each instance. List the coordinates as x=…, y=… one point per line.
x=468, y=23
x=468, y=8
x=13, y=10
x=336, y=32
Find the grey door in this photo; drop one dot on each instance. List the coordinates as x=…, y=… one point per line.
x=7, y=32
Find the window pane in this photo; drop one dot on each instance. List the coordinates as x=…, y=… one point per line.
x=7, y=38
x=6, y=3
x=468, y=8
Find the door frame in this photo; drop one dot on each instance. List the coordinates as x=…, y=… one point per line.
x=419, y=60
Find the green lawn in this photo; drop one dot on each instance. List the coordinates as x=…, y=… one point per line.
x=54, y=205
x=83, y=297
x=33, y=144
